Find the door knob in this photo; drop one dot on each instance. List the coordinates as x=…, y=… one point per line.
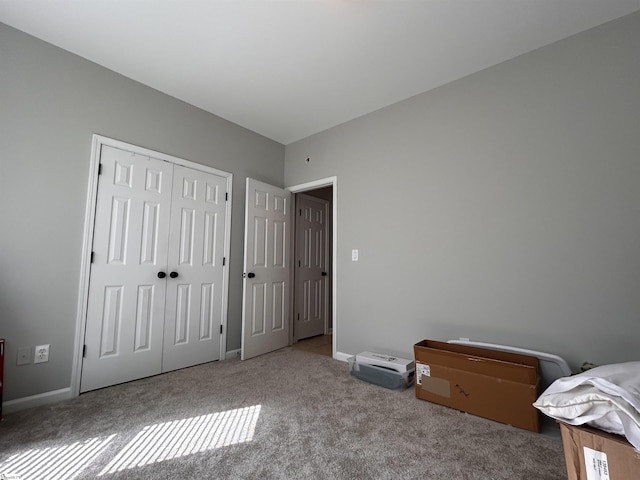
x=251, y=274
x=173, y=274
x=324, y=274
x=161, y=274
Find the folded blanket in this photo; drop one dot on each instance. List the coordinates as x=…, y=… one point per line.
x=606, y=397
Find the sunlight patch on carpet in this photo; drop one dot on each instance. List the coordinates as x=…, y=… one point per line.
x=164, y=441
x=54, y=463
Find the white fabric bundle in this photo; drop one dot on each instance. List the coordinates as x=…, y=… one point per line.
x=606, y=397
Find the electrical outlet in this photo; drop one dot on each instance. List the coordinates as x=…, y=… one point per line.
x=42, y=354
x=24, y=356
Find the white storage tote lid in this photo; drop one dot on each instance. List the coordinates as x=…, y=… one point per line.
x=396, y=364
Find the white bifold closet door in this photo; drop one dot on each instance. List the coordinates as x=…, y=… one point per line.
x=156, y=283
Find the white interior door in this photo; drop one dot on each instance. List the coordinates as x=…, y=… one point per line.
x=266, y=284
x=311, y=276
x=125, y=312
x=194, y=306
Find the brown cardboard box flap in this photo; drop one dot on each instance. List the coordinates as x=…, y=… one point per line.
x=510, y=366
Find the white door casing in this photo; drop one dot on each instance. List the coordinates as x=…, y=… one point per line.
x=196, y=253
x=311, y=267
x=266, y=283
x=125, y=299
x=333, y=271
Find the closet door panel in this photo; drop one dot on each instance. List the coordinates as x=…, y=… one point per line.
x=196, y=252
x=125, y=313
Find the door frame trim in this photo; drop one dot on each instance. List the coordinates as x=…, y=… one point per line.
x=85, y=263
x=314, y=185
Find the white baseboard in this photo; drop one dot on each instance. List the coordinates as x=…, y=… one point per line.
x=342, y=356
x=232, y=354
x=38, y=400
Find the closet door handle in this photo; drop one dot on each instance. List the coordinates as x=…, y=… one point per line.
x=161, y=274
x=173, y=274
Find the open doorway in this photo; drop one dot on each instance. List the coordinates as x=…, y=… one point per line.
x=314, y=273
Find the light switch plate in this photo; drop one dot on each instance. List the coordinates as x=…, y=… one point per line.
x=354, y=255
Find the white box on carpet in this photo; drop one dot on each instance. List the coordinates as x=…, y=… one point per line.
x=389, y=362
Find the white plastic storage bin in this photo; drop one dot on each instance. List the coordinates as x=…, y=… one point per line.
x=386, y=377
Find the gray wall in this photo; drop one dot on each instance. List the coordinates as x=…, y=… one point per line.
x=504, y=207
x=51, y=102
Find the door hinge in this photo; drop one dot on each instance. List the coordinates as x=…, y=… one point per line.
x=99, y=169
x=84, y=351
x=226, y=196
x=221, y=329
x=299, y=264
x=92, y=256
x=298, y=316
x=224, y=261
x=300, y=212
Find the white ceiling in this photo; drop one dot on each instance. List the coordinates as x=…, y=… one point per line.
x=289, y=69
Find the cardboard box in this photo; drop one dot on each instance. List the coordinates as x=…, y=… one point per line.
x=501, y=386
x=592, y=454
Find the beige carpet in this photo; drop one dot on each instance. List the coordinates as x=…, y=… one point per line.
x=322, y=345
x=290, y=414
